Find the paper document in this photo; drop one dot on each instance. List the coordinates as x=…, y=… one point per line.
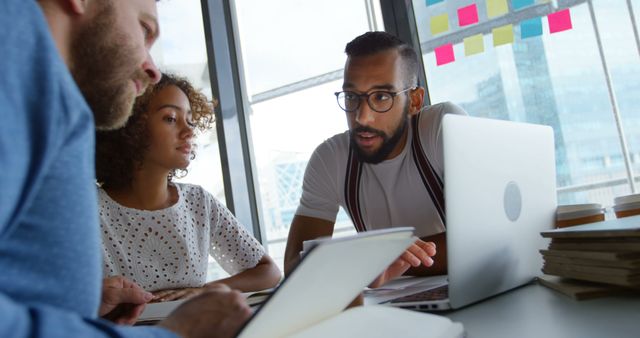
x=154, y=312
x=402, y=287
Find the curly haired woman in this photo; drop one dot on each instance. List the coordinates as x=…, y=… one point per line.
x=157, y=232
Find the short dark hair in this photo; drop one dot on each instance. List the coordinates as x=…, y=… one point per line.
x=371, y=43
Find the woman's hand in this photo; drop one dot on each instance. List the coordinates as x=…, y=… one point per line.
x=175, y=294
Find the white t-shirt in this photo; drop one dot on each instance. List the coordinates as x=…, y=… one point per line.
x=391, y=192
x=169, y=248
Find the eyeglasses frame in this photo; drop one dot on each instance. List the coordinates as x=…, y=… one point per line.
x=368, y=95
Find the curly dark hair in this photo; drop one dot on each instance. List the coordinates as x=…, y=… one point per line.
x=120, y=152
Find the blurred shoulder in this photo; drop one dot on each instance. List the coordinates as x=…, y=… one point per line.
x=442, y=108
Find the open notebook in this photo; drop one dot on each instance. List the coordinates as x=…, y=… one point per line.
x=311, y=300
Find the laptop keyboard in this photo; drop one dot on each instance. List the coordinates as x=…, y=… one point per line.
x=441, y=292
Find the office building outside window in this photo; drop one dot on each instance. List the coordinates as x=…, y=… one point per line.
x=293, y=64
x=556, y=79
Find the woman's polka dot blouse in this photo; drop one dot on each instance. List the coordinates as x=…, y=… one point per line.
x=169, y=248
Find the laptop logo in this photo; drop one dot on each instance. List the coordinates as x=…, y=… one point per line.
x=512, y=201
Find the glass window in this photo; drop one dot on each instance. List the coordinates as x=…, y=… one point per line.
x=181, y=50
x=292, y=65
x=630, y=111
x=553, y=79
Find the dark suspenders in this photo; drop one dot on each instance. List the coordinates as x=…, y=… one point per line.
x=352, y=190
x=430, y=179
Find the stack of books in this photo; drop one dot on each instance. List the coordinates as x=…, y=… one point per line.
x=604, y=252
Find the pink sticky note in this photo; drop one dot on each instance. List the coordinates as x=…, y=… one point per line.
x=467, y=15
x=559, y=21
x=444, y=54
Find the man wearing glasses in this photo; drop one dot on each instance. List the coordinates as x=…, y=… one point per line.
x=387, y=169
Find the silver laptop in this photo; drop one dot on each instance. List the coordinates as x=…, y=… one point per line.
x=500, y=193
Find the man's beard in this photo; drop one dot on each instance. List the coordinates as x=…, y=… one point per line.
x=102, y=66
x=388, y=143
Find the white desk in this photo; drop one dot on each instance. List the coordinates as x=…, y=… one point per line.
x=535, y=311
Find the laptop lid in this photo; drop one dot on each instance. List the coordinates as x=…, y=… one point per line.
x=326, y=280
x=500, y=193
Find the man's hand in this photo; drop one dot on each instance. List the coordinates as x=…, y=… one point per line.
x=419, y=253
x=122, y=300
x=217, y=312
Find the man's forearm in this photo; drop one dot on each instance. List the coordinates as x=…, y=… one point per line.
x=292, y=250
x=289, y=264
x=290, y=261
x=303, y=228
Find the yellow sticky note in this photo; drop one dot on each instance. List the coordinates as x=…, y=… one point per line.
x=502, y=35
x=473, y=45
x=439, y=24
x=497, y=8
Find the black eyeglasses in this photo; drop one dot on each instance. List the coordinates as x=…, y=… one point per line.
x=380, y=101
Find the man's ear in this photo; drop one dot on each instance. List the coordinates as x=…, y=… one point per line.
x=79, y=7
x=417, y=99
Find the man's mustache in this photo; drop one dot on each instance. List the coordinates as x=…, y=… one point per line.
x=363, y=129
